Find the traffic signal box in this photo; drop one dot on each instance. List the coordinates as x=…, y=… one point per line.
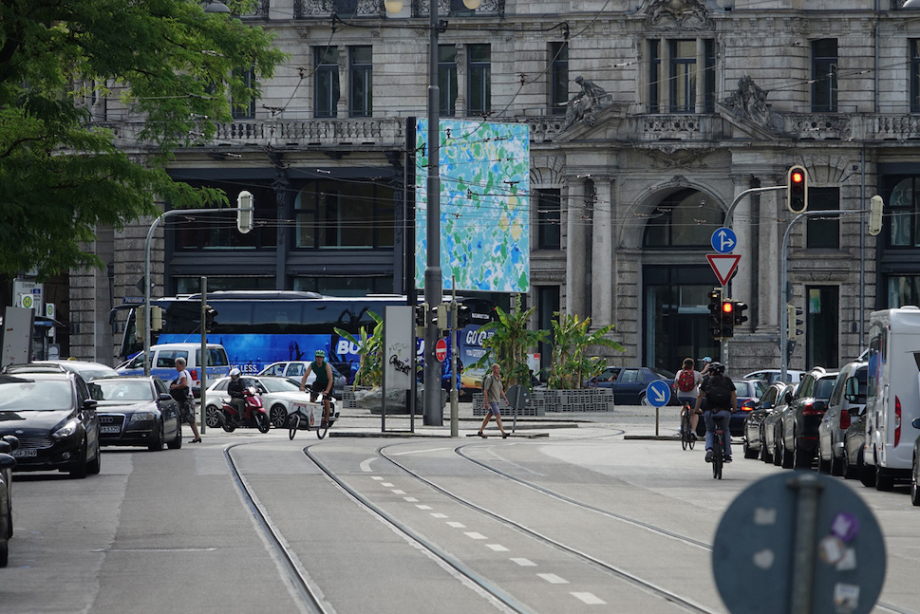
x=797, y=189
x=715, y=313
x=793, y=322
x=728, y=319
x=739, y=310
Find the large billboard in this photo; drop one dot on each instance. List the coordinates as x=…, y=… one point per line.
x=485, y=205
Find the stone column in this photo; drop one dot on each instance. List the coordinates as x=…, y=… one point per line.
x=602, y=254
x=575, y=248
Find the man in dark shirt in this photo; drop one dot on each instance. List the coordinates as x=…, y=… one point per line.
x=721, y=400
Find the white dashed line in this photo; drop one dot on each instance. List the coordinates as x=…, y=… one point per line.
x=474, y=535
x=553, y=578
x=411, y=499
x=524, y=562
x=396, y=491
x=589, y=598
x=376, y=477
x=423, y=507
x=387, y=485
x=438, y=515
x=496, y=547
x=456, y=525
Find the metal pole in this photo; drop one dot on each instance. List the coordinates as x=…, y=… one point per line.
x=203, y=363
x=433, y=296
x=454, y=400
x=147, y=243
x=806, y=528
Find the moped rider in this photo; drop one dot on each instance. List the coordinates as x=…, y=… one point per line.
x=235, y=389
x=322, y=383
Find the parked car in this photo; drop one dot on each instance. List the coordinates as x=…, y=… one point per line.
x=915, y=469
x=88, y=370
x=776, y=395
x=278, y=395
x=797, y=429
x=54, y=417
x=137, y=411
x=854, y=444
x=294, y=369
x=771, y=376
x=629, y=383
x=7, y=463
x=748, y=393
x=849, y=392
x=163, y=362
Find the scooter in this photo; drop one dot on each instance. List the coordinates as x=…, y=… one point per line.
x=254, y=416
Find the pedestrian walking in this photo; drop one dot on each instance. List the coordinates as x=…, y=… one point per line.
x=492, y=391
x=181, y=391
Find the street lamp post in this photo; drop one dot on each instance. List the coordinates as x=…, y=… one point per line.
x=433, y=415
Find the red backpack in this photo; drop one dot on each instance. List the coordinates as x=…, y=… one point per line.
x=686, y=381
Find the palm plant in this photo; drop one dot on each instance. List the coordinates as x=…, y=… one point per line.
x=571, y=341
x=509, y=343
x=370, y=371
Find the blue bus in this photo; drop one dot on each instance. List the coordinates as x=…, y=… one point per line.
x=258, y=328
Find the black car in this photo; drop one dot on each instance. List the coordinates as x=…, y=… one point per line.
x=797, y=432
x=53, y=415
x=137, y=411
x=7, y=462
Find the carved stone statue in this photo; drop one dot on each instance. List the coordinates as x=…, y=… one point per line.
x=584, y=105
x=749, y=102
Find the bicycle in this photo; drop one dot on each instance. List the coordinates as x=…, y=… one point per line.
x=687, y=440
x=718, y=448
x=309, y=417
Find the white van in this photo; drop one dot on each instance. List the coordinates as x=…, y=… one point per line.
x=163, y=361
x=893, y=400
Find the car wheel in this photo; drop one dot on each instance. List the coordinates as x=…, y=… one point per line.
x=777, y=452
x=79, y=470
x=156, y=440
x=914, y=484
x=786, y=457
x=835, y=465
x=643, y=400
x=278, y=415
x=865, y=472
x=823, y=465
x=95, y=466
x=4, y=552
x=212, y=416
x=748, y=452
x=883, y=480
x=176, y=443
x=801, y=459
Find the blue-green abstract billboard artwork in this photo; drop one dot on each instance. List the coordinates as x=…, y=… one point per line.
x=485, y=205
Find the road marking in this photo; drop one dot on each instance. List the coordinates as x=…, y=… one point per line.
x=496, y=547
x=438, y=515
x=553, y=578
x=524, y=562
x=396, y=491
x=589, y=598
x=423, y=507
x=456, y=525
x=418, y=451
x=474, y=535
x=411, y=499
x=366, y=465
x=386, y=485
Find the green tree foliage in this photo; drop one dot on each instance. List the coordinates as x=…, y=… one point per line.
x=509, y=344
x=370, y=348
x=571, y=341
x=166, y=62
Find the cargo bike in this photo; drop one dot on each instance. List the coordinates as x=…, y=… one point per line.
x=309, y=417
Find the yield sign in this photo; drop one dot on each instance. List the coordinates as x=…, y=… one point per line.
x=723, y=265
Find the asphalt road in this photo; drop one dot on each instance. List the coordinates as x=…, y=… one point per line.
x=568, y=515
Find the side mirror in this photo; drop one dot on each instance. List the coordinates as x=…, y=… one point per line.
x=7, y=461
x=90, y=404
x=12, y=440
x=164, y=396
x=767, y=405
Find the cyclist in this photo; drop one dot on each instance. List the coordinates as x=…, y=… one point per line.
x=322, y=383
x=719, y=392
x=687, y=386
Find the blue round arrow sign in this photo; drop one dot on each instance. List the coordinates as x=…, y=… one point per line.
x=723, y=240
x=658, y=393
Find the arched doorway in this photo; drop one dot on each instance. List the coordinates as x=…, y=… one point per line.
x=676, y=279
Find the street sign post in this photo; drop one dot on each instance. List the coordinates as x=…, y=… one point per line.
x=658, y=394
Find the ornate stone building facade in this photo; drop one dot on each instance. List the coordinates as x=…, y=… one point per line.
x=648, y=119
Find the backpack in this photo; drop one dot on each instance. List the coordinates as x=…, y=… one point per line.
x=717, y=396
x=686, y=381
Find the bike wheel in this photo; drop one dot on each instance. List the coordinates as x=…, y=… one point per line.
x=684, y=438
x=321, y=430
x=293, y=425
x=691, y=440
x=717, y=459
x=263, y=423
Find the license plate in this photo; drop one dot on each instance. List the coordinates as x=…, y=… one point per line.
x=110, y=429
x=22, y=452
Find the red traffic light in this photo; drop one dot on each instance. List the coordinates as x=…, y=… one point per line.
x=727, y=307
x=797, y=176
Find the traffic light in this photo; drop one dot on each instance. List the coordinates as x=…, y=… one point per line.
x=797, y=189
x=728, y=319
x=739, y=310
x=793, y=322
x=441, y=319
x=209, y=314
x=464, y=317
x=715, y=313
x=156, y=318
x=244, y=212
x=420, y=320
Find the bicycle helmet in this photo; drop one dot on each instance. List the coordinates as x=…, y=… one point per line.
x=320, y=354
x=717, y=368
x=234, y=372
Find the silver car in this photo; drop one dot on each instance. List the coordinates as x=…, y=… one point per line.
x=849, y=393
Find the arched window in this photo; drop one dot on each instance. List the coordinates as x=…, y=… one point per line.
x=686, y=218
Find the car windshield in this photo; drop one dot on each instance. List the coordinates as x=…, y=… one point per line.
x=280, y=385
x=825, y=387
x=121, y=390
x=19, y=394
